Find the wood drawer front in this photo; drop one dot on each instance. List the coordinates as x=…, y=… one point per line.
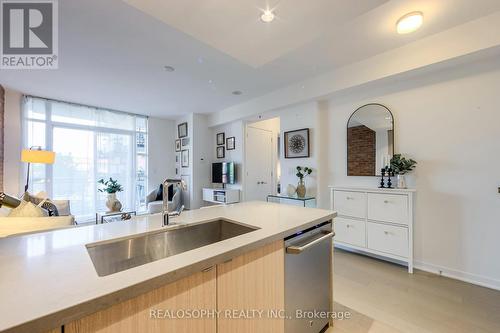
x=388, y=208
x=388, y=238
x=350, y=231
x=350, y=203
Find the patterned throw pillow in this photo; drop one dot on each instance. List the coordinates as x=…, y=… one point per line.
x=45, y=204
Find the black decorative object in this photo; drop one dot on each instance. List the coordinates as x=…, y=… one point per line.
x=182, y=130
x=178, y=145
x=297, y=143
x=221, y=139
x=382, y=180
x=390, y=174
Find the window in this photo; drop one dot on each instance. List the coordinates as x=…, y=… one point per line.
x=90, y=144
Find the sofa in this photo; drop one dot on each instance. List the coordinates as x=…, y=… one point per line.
x=155, y=206
x=10, y=226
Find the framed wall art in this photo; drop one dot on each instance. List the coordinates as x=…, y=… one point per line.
x=297, y=143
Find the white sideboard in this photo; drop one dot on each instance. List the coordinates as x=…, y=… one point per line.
x=375, y=221
x=221, y=195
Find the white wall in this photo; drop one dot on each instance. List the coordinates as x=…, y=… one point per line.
x=161, y=163
x=12, y=143
x=201, y=159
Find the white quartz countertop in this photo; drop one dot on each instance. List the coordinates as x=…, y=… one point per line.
x=48, y=279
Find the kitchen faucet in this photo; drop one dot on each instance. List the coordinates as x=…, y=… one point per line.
x=165, y=210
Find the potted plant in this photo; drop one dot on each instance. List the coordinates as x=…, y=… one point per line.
x=111, y=186
x=302, y=172
x=401, y=166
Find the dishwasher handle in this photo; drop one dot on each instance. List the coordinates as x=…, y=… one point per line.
x=299, y=249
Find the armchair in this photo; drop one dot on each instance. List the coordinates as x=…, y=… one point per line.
x=155, y=206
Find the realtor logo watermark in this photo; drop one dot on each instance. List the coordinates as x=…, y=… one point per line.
x=29, y=34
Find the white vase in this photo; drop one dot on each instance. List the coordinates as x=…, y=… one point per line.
x=401, y=181
x=290, y=190
x=113, y=204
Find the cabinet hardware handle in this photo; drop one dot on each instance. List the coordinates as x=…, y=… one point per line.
x=386, y=201
x=208, y=269
x=386, y=232
x=348, y=225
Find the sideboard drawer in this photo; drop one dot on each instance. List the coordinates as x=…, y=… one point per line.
x=350, y=231
x=388, y=208
x=350, y=203
x=388, y=238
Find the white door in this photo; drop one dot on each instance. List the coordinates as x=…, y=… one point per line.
x=258, y=164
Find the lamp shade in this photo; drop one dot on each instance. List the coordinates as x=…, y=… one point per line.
x=38, y=156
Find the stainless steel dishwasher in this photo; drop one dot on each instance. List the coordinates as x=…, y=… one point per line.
x=308, y=266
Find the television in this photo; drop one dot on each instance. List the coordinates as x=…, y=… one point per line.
x=223, y=173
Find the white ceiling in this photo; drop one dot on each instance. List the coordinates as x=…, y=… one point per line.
x=112, y=53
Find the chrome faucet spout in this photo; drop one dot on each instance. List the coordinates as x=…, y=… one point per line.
x=167, y=214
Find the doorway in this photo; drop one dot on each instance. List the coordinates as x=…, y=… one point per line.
x=261, y=159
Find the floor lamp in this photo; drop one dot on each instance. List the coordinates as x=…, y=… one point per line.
x=36, y=155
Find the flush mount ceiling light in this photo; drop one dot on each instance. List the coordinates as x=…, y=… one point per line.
x=168, y=68
x=409, y=23
x=267, y=16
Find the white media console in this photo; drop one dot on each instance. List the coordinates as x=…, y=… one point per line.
x=221, y=195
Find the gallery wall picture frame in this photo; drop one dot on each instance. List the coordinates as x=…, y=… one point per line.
x=177, y=145
x=185, y=158
x=182, y=130
x=221, y=152
x=231, y=143
x=185, y=142
x=297, y=143
x=221, y=139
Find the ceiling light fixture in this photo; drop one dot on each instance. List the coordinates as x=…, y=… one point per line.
x=168, y=68
x=267, y=16
x=410, y=22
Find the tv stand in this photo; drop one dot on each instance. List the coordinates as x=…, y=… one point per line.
x=221, y=195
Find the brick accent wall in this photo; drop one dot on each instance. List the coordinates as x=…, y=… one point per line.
x=361, y=151
x=2, y=103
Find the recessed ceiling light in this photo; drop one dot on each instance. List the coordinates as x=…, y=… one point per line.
x=236, y=92
x=267, y=16
x=410, y=22
x=168, y=68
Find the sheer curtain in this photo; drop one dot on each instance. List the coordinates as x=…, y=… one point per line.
x=90, y=144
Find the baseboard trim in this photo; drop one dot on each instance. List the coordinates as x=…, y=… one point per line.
x=458, y=275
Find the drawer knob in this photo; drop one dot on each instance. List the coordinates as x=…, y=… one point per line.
x=386, y=201
x=386, y=232
x=348, y=226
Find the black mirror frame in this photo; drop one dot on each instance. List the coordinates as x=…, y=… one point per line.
x=347, y=137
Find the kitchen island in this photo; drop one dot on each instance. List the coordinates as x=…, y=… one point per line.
x=48, y=280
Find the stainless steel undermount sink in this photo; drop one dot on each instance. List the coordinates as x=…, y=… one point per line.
x=116, y=256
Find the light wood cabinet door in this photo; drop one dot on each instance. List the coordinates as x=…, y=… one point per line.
x=252, y=281
x=196, y=292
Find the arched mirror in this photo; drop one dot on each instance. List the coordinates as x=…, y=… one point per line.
x=370, y=140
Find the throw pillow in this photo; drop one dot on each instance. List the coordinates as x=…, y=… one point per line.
x=45, y=203
x=159, y=193
x=27, y=209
